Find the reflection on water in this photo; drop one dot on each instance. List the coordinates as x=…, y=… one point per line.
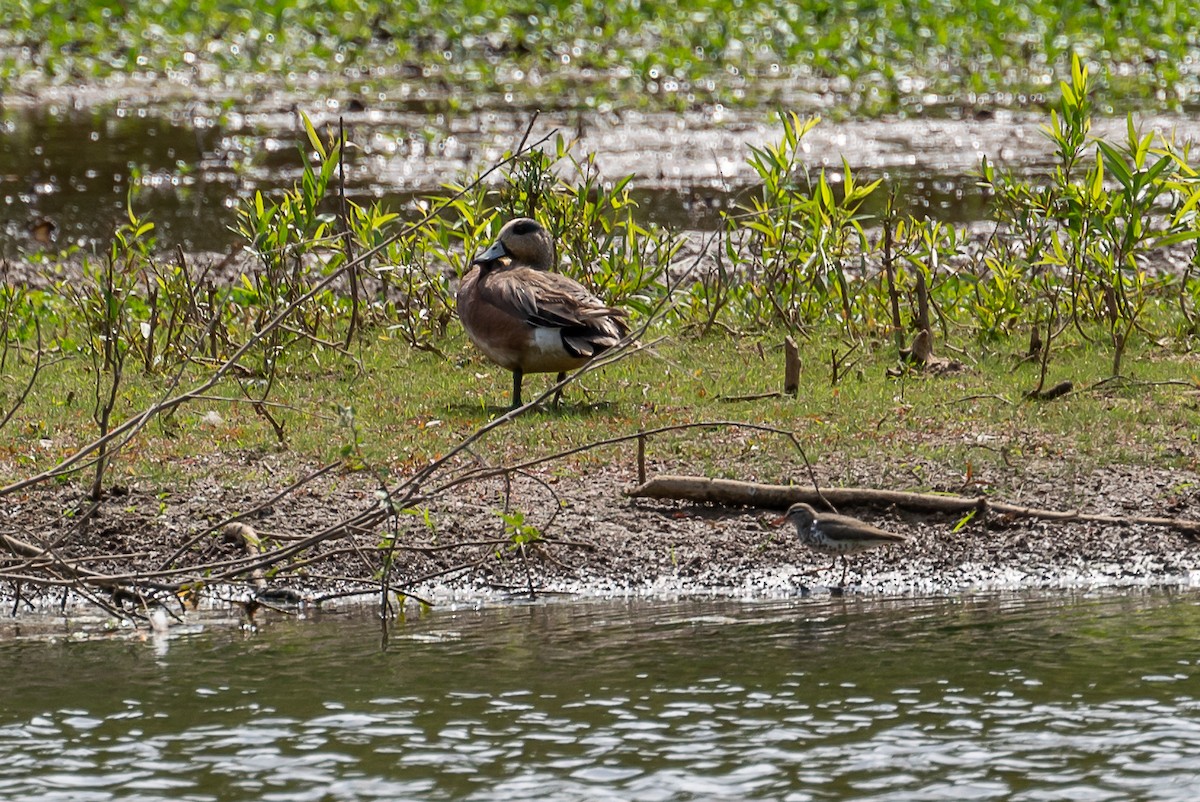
x=191, y=168
x=1013, y=697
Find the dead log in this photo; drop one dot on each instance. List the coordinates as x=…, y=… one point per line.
x=753, y=494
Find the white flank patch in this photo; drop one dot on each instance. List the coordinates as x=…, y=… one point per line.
x=548, y=343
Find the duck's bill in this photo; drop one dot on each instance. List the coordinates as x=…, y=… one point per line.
x=491, y=254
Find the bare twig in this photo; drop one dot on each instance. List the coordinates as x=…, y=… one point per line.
x=37, y=369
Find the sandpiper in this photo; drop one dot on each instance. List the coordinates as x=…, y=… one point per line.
x=838, y=535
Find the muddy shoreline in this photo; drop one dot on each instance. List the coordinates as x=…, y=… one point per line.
x=601, y=543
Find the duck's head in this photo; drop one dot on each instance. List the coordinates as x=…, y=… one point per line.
x=522, y=241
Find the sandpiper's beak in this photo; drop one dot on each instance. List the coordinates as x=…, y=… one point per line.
x=491, y=254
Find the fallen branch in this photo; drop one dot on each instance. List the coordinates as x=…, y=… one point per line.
x=753, y=494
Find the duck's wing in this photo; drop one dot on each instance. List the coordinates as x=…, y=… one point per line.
x=551, y=300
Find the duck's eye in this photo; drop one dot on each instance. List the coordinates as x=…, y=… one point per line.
x=524, y=227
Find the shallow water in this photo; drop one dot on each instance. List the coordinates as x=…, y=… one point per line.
x=192, y=165
x=1042, y=697
x=72, y=160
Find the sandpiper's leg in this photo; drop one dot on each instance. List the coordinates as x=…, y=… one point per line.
x=845, y=567
x=516, y=396
x=558, y=395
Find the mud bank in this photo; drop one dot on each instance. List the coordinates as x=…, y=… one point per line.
x=600, y=542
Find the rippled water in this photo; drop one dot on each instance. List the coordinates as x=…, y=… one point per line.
x=1011, y=697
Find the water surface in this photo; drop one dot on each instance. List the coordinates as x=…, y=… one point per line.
x=1044, y=697
x=190, y=166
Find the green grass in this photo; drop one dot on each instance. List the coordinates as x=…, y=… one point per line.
x=410, y=407
x=863, y=57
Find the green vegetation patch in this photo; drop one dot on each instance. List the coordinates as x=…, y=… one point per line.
x=339, y=339
x=862, y=57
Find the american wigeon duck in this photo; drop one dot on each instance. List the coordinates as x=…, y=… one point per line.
x=527, y=319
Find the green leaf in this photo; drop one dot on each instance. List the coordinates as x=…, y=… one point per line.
x=825, y=192
x=1096, y=186
x=1114, y=160
x=1176, y=238
x=1156, y=170
x=1189, y=204
x=963, y=521
x=313, y=139
x=1068, y=96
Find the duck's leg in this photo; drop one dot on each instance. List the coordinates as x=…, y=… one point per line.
x=518, y=374
x=558, y=395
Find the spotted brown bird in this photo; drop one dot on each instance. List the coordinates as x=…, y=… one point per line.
x=838, y=535
x=528, y=319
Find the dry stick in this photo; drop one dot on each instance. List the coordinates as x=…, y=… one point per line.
x=355, y=550
x=295, y=565
x=732, y=491
x=82, y=560
x=397, y=589
x=262, y=411
x=555, y=508
x=889, y=267
x=228, y=399
x=332, y=346
x=36, y=543
x=1125, y=381
x=46, y=559
x=977, y=397
x=412, y=485
x=39, y=581
x=152, y=579
x=1058, y=390
x=791, y=366
x=343, y=594
x=134, y=424
x=641, y=456
x=129, y=428
x=347, y=244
